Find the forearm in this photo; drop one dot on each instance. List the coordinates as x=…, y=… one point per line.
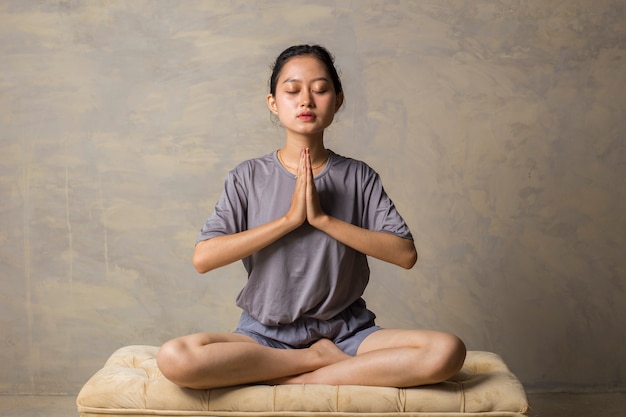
x=223, y=250
x=384, y=246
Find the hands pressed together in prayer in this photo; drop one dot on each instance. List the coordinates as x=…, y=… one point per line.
x=305, y=203
x=305, y=207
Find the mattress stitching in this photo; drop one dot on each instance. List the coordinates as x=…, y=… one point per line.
x=462, y=388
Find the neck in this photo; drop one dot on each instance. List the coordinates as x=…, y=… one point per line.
x=289, y=157
x=294, y=144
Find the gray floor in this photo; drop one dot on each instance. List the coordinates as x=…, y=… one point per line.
x=578, y=405
x=543, y=405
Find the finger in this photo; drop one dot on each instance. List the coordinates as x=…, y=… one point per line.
x=311, y=190
x=302, y=178
x=309, y=163
x=303, y=166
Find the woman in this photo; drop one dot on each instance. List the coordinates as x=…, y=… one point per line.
x=303, y=220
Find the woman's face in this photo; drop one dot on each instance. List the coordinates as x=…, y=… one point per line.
x=305, y=100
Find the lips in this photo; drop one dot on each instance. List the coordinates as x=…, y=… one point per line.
x=306, y=116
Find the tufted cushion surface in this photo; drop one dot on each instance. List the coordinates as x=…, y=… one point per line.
x=130, y=384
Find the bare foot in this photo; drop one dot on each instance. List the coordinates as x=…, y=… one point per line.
x=328, y=353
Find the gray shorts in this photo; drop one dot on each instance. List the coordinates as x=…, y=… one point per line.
x=347, y=330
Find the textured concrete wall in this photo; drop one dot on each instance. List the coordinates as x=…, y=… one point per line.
x=498, y=128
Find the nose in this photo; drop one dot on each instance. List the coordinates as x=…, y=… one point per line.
x=306, y=99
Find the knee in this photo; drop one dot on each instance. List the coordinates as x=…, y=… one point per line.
x=172, y=360
x=449, y=352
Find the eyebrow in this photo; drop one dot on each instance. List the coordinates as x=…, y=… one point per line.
x=291, y=80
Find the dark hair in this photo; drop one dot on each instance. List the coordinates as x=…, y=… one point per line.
x=316, y=51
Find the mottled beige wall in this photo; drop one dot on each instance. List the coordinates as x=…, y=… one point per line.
x=498, y=128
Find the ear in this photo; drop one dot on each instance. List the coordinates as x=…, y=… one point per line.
x=271, y=104
x=338, y=102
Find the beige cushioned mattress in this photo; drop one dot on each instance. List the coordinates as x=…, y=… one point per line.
x=130, y=384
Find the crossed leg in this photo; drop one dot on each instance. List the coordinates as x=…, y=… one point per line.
x=213, y=360
x=395, y=358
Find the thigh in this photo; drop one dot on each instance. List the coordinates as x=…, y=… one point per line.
x=395, y=338
x=202, y=339
x=177, y=356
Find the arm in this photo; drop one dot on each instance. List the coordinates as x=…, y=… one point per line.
x=384, y=246
x=223, y=250
x=381, y=245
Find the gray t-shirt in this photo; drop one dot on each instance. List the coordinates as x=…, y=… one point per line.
x=306, y=273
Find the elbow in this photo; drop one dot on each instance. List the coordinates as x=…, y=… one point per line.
x=200, y=267
x=409, y=259
x=199, y=262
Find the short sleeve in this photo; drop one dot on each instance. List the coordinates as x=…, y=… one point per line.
x=229, y=214
x=379, y=213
